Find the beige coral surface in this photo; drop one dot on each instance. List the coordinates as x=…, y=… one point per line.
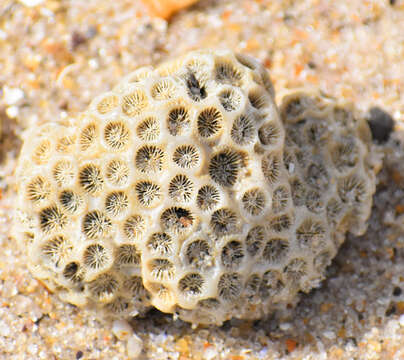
x=182, y=189
x=56, y=56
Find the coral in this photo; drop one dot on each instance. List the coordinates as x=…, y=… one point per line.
x=331, y=161
x=185, y=189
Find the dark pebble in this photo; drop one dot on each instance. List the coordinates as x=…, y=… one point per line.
x=311, y=65
x=397, y=291
x=352, y=340
x=392, y=2
x=391, y=310
x=77, y=39
x=79, y=355
x=226, y=325
x=381, y=124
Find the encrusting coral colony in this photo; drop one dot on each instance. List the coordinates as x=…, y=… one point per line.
x=184, y=188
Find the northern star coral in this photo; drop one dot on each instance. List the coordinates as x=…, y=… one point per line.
x=184, y=188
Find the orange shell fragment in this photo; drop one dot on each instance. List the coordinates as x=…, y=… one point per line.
x=166, y=8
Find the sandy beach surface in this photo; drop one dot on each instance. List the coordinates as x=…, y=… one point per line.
x=55, y=56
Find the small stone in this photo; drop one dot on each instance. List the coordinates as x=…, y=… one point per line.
x=121, y=329
x=210, y=353
x=77, y=39
x=4, y=329
x=32, y=349
x=285, y=326
x=9, y=289
x=31, y=3
x=134, y=346
x=397, y=291
x=12, y=95
x=182, y=346
x=290, y=345
x=381, y=124
x=374, y=346
x=390, y=310
x=400, y=307
x=401, y=320
x=93, y=63
x=166, y=8
x=329, y=335
x=12, y=112
x=24, y=305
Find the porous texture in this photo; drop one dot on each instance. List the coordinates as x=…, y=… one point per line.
x=327, y=191
x=179, y=190
x=331, y=161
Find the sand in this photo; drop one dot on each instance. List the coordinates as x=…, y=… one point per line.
x=56, y=56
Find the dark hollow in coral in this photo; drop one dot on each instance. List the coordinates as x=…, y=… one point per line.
x=196, y=90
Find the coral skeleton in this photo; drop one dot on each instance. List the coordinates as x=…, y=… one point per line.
x=186, y=189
